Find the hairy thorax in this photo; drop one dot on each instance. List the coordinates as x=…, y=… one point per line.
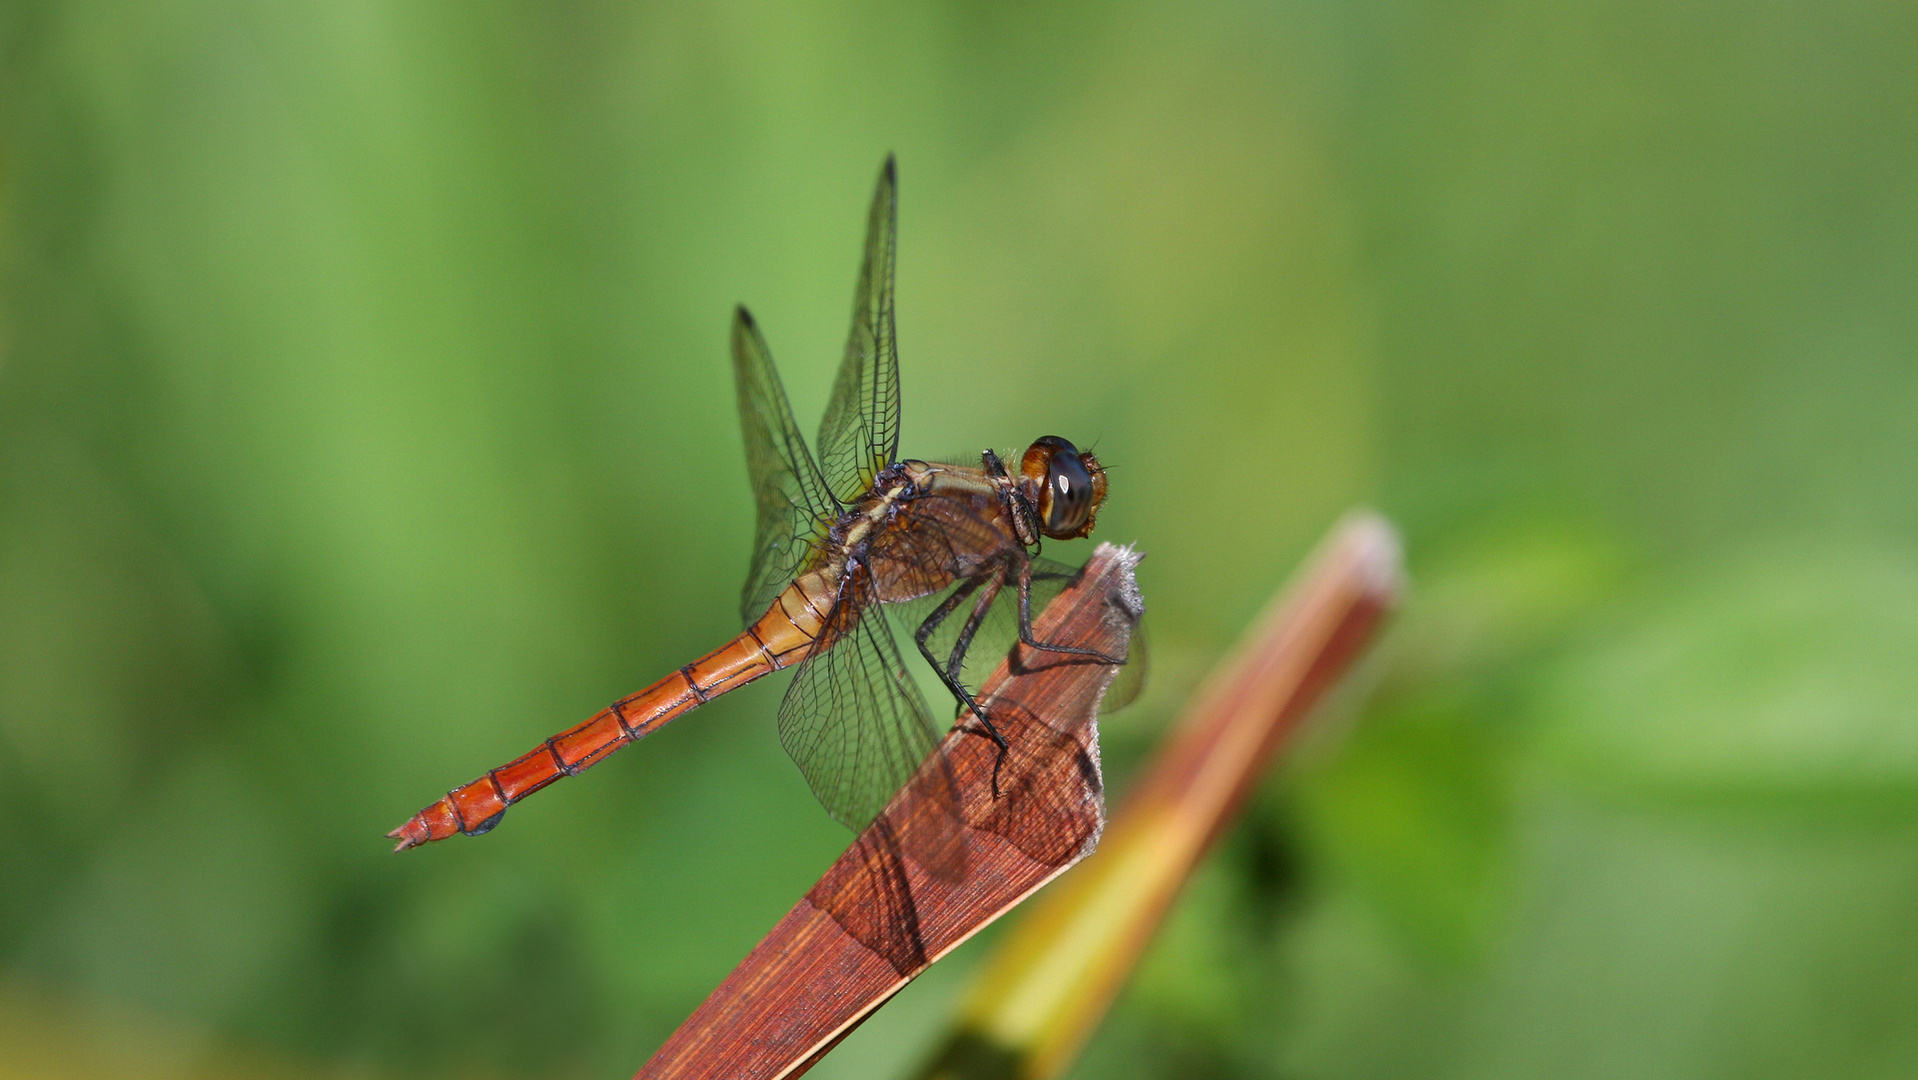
x=922, y=527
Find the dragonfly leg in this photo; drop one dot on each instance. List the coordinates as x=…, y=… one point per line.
x=930, y=625
x=954, y=663
x=1025, y=520
x=1025, y=622
x=949, y=670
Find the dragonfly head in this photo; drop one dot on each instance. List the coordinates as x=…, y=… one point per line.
x=1064, y=485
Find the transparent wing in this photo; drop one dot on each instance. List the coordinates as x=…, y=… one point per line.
x=794, y=507
x=1130, y=683
x=853, y=720
x=860, y=433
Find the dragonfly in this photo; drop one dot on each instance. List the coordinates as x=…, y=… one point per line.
x=952, y=550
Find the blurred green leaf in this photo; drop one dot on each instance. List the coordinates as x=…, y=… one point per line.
x=1781, y=674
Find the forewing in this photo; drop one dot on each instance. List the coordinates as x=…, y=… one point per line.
x=853, y=720
x=794, y=507
x=860, y=433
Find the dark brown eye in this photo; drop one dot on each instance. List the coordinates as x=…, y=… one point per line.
x=1064, y=486
x=1067, y=502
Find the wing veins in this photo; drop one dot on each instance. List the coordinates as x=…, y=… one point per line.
x=859, y=434
x=793, y=507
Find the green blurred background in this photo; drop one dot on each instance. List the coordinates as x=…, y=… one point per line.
x=365, y=416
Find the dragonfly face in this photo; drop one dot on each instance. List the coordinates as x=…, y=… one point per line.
x=953, y=549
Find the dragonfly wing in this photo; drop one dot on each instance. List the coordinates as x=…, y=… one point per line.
x=794, y=506
x=858, y=728
x=1130, y=683
x=860, y=433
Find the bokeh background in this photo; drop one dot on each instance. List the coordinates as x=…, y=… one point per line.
x=365, y=416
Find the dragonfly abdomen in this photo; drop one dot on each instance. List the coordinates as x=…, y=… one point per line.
x=782, y=637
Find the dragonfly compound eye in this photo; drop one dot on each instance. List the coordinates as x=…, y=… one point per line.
x=1070, y=483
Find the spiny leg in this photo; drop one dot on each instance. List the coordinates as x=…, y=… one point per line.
x=963, y=643
x=949, y=671
x=1026, y=520
x=930, y=626
x=1025, y=621
x=955, y=662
